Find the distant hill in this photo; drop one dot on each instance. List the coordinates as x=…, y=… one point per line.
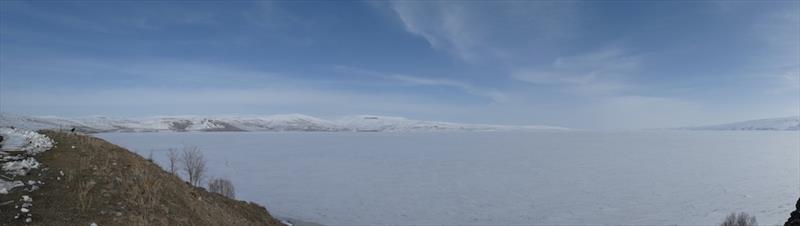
x=288, y=122
x=785, y=123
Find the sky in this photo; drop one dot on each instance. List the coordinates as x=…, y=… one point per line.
x=583, y=64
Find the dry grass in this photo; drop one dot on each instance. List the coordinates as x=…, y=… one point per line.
x=108, y=185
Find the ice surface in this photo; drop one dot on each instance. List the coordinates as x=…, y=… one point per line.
x=546, y=177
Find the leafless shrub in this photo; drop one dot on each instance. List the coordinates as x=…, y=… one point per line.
x=172, y=156
x=741, y=219
x=194, y=164
x=84, y=198
x=222, y=186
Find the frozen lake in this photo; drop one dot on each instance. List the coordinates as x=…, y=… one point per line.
x=641, y=177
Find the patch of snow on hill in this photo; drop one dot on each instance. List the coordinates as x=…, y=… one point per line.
x=17, y=150
x=24, y=140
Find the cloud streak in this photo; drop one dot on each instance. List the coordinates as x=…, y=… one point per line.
x=423, y=81
x=600, y=72
x=494, y=95
x=471, y=31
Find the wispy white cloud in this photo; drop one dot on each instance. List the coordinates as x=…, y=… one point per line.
x=479, y=33
x=475, y=31
x=443, y=27
x=788, y=82
x=269, y=14
x=604, y=76
x=138, y=86
x=779, y=33
x=595, y=72
x=468, y=88
x=150, y=100
x=494, y=95
x=792, y=79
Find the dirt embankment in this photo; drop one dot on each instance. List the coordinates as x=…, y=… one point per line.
x=87, y=180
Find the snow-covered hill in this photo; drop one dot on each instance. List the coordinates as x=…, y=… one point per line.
x=786, y=123
x=288, y=122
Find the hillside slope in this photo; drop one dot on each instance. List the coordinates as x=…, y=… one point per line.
x=86, y=180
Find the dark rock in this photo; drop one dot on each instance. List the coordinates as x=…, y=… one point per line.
x=794, y=219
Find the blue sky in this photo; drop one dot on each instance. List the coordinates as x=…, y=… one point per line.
x=589, y=64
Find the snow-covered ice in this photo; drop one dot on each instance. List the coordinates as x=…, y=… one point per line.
x=17, y=149
x=6, y=186
x=21, y=167
x=492, y=178
x=24, y=140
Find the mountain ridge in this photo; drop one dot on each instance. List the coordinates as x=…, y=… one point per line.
x=278, y=123
x=790, y=123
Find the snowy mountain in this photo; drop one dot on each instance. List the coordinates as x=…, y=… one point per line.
x=288, y=122
x=786, y=123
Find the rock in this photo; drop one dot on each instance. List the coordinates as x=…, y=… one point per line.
x=794, y=217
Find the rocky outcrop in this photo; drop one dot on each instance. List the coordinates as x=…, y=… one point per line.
x=794, y=217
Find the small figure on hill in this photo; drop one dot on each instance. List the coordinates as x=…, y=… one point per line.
x=72, y=130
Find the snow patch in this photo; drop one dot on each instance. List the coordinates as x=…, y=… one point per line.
x=24, y=140
x=6, y=186
x=20, y=168
x=17, y=148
